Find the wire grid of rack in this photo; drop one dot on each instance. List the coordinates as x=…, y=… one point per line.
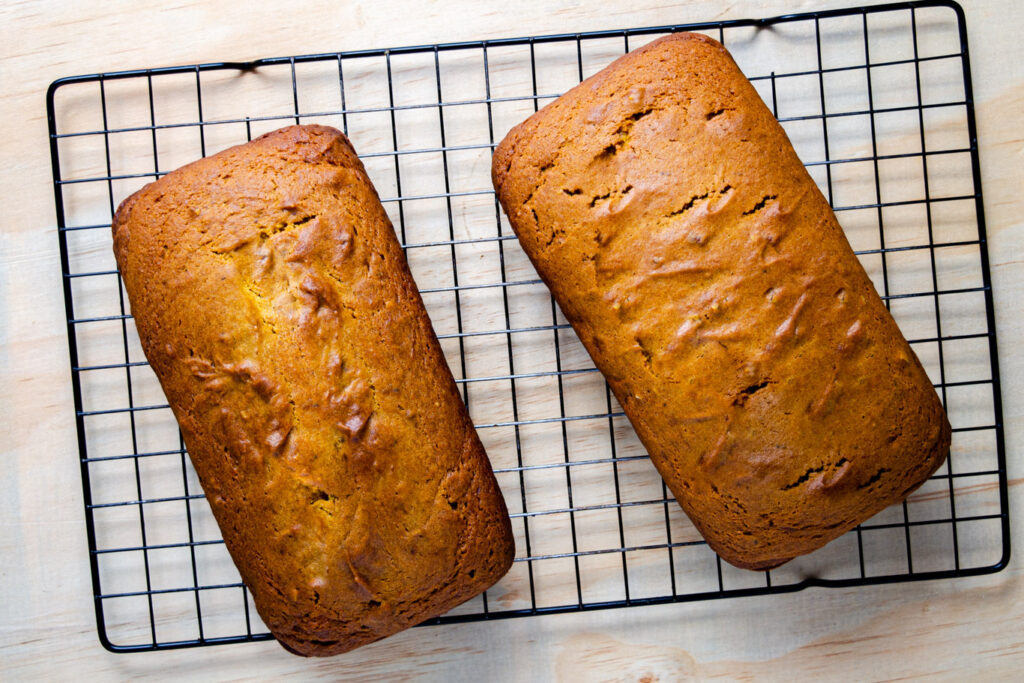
x=876, y=100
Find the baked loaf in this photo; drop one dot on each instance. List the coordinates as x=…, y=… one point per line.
x=709, y=280
x=275, y=304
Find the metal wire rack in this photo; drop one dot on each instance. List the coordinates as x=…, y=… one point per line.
x=877, y=101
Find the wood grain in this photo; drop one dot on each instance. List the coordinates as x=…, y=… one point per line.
x=944, y=629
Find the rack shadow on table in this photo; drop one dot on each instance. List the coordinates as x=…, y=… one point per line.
x=876, y=100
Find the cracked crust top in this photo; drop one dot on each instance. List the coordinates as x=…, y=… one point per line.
x=709, y=280
x=275, y=305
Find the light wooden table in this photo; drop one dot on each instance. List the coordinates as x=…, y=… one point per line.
x=949, y=629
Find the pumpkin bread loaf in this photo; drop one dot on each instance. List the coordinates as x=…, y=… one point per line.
x=707, y=277
x=276, y=307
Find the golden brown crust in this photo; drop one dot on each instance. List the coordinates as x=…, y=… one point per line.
x=275, y=304
x=709, y=280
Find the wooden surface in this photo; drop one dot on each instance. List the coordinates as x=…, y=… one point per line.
x=951, y=628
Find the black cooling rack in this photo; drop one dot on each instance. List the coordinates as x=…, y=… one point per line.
x=877, y=101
